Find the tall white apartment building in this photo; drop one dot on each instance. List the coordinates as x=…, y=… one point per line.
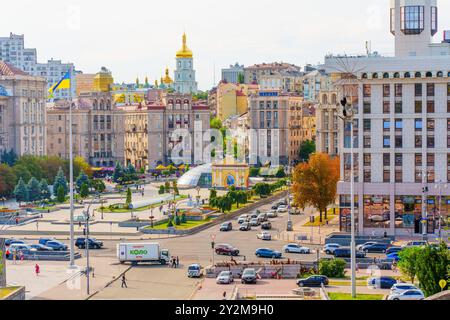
x=401, y=128
x=13, y=51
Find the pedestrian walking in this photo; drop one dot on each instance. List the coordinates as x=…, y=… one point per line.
x=79, y=224
x=178, y=262
x=224, y=295
x=37, y=269
x=124, y=281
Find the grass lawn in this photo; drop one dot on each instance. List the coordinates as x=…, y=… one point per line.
x=348, y=296
x=317, y=221
x=7, y=291
x=149, y=207
x=184, y=226
x=346, y=283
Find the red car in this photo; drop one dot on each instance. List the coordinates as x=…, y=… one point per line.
x=227, y=250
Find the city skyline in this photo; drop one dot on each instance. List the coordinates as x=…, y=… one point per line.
x=145, y=44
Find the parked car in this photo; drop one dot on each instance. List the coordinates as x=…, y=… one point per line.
x=375, y=248
x=381, y=282
x=394, y=256
x=347, y=253
x=330, y=247
x=414, y=294
x=360, y=246
x=249, y=276
x=56, y=245
x=254, y=222
x=45, y=240
x=313, y=281
x=295, y=248
x=266, y=226
x=226, y=249
x=17, y=247
x=267, y=253
x=194, y=271
x=264, y=236
x=282, y=209
x=9, y=242
x=402, y=287
x=245, y=227
x=226, y=226
x=225, y=277
x=393, y=249
x=272, y=214
x=80, y=243
x=40, y=247
x=415, y=243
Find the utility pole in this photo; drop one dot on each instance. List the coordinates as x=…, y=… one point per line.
x=72, y=245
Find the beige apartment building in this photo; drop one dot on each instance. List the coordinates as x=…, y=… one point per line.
x=177, y=130
x=327, y=112
x=22, y=111
x=136, y=136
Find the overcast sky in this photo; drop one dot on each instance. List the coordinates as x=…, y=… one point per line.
x=140, y=37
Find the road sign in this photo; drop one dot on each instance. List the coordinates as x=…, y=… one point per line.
x=442, y=284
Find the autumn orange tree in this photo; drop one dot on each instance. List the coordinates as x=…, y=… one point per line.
x=315, y=182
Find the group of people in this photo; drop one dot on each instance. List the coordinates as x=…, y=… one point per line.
x=174, y=262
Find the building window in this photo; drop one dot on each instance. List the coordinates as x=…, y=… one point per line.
x=386, y=107
x=367, y=176
x=398, y=176
x=430, y=107
x=430, y=125
x=398, y=107
x=418, y=141
x=418, y=89
x=386, y=90
x=430, y=141
x=367, y=142
x=418, y=124
x=434, y=20
x=386, y=125
x=418, y=159
x=398, y=141
x=418, y=107
x=386, y=176
x=398, y=90
x=430, y=159
x=367, y=159
x=366, y=107
x=430, y=89
x=366, y=125
x=412, y=19
x=386, y=159
x=386, y=142
x=398, y=124
x=398, y=159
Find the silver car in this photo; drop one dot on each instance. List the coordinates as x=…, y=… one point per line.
x=225, y=277
x=254, y=222
x=264, y=236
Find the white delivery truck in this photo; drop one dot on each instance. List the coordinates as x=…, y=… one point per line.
x=142, y=252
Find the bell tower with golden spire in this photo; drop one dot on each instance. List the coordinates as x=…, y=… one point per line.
x=184, y=81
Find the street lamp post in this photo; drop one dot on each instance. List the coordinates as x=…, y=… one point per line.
x=425, y=174
x=440, y=185
x=289, y=222
x=72, y=234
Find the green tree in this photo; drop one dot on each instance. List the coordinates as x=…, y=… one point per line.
x=170, y=224
x=7, y=180
x=98, y=185
x=118, y=173
x=21, y=191
x=334, y=268
x=128, y=198
x=34, y=190
x=82, y=179
x=212, y=194
x=177, y=220
x=8, y=158
x=167, y=186
x=60, y=181
x=60, y=194
x=408, y=262
x=432, y=267
x=45, y=190
x=162, y=190
x=175, y=187
x=241, y=198
x=262, y=189
x=84, y=190
x=183, y=218
x=32, y=163
x=21, y=172
x=254, y=172
x=215, y=123
x=280, y=172
x=307, y=148
x=241, y=78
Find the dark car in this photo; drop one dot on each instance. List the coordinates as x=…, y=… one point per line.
x=227, y=250
x=9, y=242
x=80, y=243
x=274, y=207
x=249, y=276
x=381, y=282
x=268, y=253
x=375, y=248
x=393, y=249
x=44, y=241
x=266, y=226
x=245, y=227
x=227, y=226
x=40, y=247
x=313, y=281
x=347, y=253
x=56, y=245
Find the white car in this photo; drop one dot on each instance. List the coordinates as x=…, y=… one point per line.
x=264, y=236
x=330, y=247
x=359, y=246
x=407, y=295
x=282, y=209
x=272, y=214
x=225, y=277
x=402, y=287
x=254, y=222
x=194, y=271
x=416, y=243
x=17, y=247
x=244, y=218
x=295, y=248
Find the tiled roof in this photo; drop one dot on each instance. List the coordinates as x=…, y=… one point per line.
x=8, y=70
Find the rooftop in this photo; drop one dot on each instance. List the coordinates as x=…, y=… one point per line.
x=8, y=70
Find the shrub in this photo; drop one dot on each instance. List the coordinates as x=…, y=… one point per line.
x=170, y=224
x=177, y=220
x=254, y=172
x=332, y=268
x=162, y=190
x=183, y=218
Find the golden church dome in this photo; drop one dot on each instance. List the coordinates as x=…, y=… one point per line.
x=185, y=52
x=167, y=79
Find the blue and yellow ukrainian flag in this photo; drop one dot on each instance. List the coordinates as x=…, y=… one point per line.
x=64, y=83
